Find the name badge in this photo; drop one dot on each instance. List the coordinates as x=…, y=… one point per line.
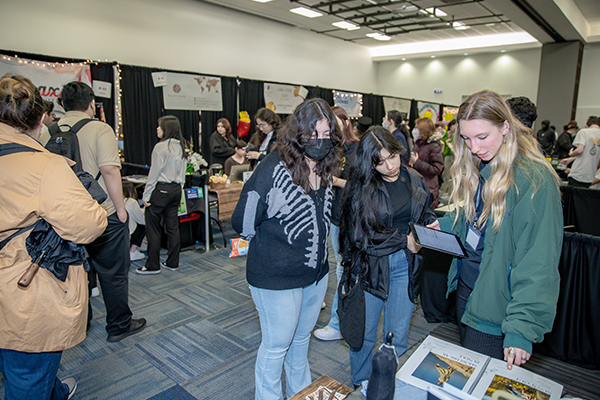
x=473, y=236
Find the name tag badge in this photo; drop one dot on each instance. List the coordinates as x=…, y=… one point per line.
x=473, y=236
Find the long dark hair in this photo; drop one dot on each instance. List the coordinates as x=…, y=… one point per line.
x=361, y=209
x=270, y=118
x=297, y=132
x=172, y=130
x=227, y=127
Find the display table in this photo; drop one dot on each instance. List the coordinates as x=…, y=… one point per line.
x=322, y=381
x=227, y=197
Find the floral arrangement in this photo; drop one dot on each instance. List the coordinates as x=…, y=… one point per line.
x=194, y=160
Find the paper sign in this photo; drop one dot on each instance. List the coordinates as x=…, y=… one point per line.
x=102, y=89
x=159, y=78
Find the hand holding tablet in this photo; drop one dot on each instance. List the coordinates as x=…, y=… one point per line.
x=438, y=240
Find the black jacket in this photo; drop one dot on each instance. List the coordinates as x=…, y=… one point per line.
x=383, y=244
x=220, y=148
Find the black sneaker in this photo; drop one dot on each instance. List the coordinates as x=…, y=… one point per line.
x=165, y=266
x=137, y=325
x=145, y=271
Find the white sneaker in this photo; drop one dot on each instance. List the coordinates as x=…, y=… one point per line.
x=95, y=292
x=72, y=385
x=323, y=306
x=136, y=255
x=328, y=333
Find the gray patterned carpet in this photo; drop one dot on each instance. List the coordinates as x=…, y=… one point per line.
x=201, y=339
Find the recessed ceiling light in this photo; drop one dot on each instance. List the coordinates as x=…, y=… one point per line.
x=433, y=12
x=378, y=36
x=346, y=25
x=432, y=56
x=404, y=59
x=306, y=12
x=459, y=26
x=262, y=1
x=502, y=51
x=466, y=54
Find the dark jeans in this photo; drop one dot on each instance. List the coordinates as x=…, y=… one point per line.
x=576, y=183
x=32, y=375
x=109, y=256
x=490, y=345
x=164, y=203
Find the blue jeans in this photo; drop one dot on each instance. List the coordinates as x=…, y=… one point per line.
x=397, y=312
x=287, y=318
x=32, y=375
x=334, y=322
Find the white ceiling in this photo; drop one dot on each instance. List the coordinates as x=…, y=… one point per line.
x=404, y=23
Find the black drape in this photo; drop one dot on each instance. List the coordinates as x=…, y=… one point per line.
x=322, y=93
x=142, y=106
x=209, y=119
x=575, y=337
x=252, y=97
x=414, y=113
x=373, y=107
x=434, y=285
x=105, y=72
x=580, y=209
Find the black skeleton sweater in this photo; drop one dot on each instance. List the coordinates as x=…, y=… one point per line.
x=286, y=227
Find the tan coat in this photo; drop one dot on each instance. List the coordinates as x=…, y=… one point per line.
x=49, y=315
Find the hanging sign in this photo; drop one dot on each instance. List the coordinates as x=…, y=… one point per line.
x=394, y=103
x=102, y=89
x=192, y=92
x=351, y=102
x=283, y=99
x=159, y=79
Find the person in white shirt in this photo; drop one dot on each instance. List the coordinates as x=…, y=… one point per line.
x=137, y=223
x=585, y=154
x=163, y=195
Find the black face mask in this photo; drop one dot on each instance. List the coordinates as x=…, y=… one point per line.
x=317, y=149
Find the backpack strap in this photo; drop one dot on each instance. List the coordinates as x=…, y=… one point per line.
x=6, y=149
x=80, y=124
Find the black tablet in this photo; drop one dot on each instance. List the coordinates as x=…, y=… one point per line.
x=438, y=240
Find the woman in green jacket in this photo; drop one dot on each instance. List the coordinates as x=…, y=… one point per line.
x=512, y=226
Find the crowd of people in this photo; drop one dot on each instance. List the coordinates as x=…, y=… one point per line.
x=315, y=175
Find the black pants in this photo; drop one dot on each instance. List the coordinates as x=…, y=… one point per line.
x=137, y=237
x=109, y=256
x=576, y=183
x=164, y=203
x=490, y=345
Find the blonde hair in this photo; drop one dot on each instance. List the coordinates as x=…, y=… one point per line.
x=519, y=147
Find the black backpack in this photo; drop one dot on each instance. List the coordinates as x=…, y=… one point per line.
x=65, y=143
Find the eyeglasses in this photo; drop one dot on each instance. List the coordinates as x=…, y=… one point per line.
x=262, y=124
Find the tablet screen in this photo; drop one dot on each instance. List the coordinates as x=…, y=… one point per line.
x=438, y=240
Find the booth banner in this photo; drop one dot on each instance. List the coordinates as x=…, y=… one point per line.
x=192, y=92
x=428, y=110
x=394, y=103
x=351, y=102
x=48, y=77
x=283, y=99
x=449, y=114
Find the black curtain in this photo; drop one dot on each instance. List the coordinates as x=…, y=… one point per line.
x=579, y=209
x=322, y=93
x=575, y=337
x=252, y=97
x=209, y=119
x=373, y=107
x=105, y=72
x=142, y=106
x=414, y=113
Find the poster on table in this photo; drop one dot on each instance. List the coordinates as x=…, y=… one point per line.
x=428, y=110
x=48, y=77
x=283, y=99
x=192, y=92
x=394, y=103
x=351, y=102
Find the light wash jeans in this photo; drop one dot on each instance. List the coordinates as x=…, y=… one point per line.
x=397, y=312
x=334, y=235
x=287, y=318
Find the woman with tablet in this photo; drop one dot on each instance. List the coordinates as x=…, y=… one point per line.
x=382, y=197
x=511, y=225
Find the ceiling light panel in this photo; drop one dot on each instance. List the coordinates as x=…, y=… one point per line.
x=305, y=12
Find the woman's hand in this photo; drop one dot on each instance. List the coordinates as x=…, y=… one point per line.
x=252, y=155
x=434, y=225
x=146, y=204
x=412, y=244
x=516, y=356
x=413, y=158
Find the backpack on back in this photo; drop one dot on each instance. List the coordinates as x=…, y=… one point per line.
x=65, y=142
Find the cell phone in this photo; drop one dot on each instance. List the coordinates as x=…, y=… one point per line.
x=438, y=240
